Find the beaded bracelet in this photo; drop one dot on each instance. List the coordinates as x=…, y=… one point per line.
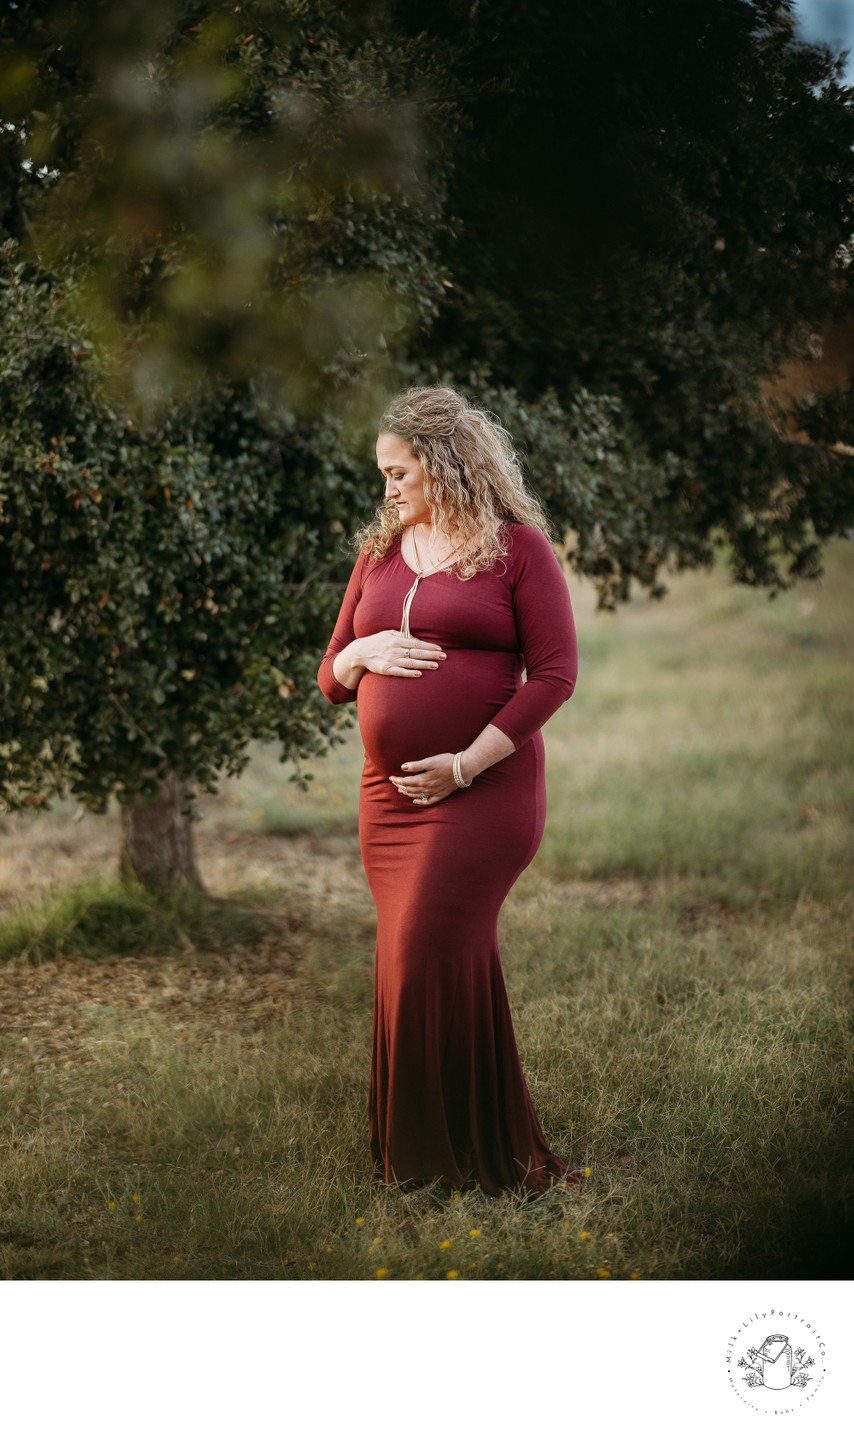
x=460, y=782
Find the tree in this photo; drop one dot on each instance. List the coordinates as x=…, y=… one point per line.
x=162, y=589
x=654, y=203
x=222, y=208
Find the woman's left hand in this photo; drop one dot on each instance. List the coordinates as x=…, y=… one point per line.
x=426, y=781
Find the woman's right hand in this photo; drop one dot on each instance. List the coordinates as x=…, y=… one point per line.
x=385, y=653
x=390, y=653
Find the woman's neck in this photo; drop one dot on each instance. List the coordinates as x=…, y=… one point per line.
x=430, y=551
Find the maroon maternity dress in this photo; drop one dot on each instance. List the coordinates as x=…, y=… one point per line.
x=448, y=1100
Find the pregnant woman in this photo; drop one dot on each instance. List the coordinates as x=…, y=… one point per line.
x=456, y=590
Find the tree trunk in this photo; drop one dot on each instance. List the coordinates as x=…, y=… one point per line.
x=157, y=839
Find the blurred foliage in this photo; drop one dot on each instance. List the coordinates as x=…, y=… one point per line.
x=242, y=187
x=232, y=228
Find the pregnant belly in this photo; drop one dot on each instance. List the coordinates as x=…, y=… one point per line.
x=443, y=711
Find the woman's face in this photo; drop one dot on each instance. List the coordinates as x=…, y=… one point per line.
x=404, y=479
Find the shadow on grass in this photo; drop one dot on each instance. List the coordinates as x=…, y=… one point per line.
x=99, y=920
x=804, y=1236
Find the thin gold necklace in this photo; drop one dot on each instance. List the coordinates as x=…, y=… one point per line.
x=419, y=575
x=421, y=571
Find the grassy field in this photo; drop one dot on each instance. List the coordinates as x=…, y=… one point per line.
x=184, y=1085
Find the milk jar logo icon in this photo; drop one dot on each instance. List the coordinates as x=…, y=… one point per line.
x=772, y=1365
x=776, y=1360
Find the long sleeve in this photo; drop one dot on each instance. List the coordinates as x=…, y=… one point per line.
x=547, y=638
x=342, y=635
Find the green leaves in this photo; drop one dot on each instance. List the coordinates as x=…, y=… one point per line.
x=223, y=219
x=152, y=578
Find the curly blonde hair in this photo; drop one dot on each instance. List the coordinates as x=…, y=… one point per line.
x=473, y=483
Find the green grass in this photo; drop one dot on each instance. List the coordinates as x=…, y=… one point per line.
x=678, y=965
x=718, y=751
x=99, y=919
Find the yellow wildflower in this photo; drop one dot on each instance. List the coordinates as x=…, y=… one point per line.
x=381, y=1273
x=446, y=1243
x=587, y=1173
x=111, y=1204
x=176, y=1258
x=376, y=1240
x=329, y=1249
x=311, y=1265
x=360, y=1221
x=138, y=1217
x=474, y=1233
x=603, y=1273
x=634, y=1275
x=452, y=1273
x=136, y=1198
x=584, y=1235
